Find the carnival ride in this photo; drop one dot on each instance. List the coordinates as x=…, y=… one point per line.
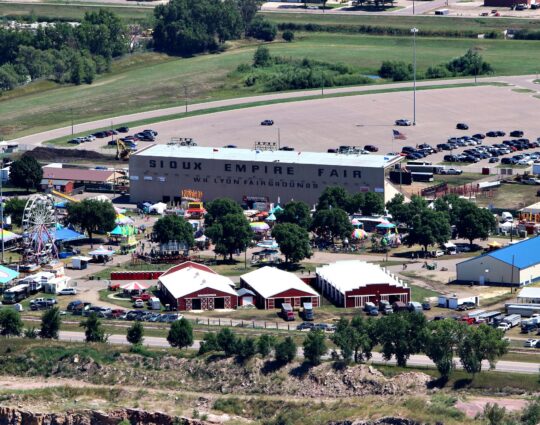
x=39, y=225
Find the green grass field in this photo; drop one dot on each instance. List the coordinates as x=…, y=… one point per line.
x=151, y=81
x=73, y=11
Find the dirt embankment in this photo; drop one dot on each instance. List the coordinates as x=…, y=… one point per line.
x=42, y=153
x=15, y=416
x=227, y=376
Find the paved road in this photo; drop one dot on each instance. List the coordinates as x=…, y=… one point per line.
x=416, y=360
x=524, y=81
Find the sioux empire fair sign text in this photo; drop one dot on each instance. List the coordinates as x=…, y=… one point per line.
x=275, y=170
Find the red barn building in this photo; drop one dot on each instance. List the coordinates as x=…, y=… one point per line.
x=191, y=286
x=273, y=287
x=352, y=284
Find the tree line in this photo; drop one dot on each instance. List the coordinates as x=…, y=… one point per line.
x=187, y=27
x=399, y=335
x=471, y=63
x=62, y=52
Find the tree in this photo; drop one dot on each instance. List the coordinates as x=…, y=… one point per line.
x=261, y=57
x=92, y=216
x=401, y=335
x=180, y=334
x=246, y=348
x=50, y=324
x=333, y=197
x=219, y=208
x=227, y=341
x=230, y=234
x=174, y=228
x=248, y=10
x=265, y=344
x=186, y=27
x=14, y=207
x=135, y=333
x=442, y=337
x=531, y=413
x=10, y=322
x=285, y=351
x=209, y=343
x=478, y=344
x=293, y=241
x=373, y=204
x=396, y=70
x=288, y=36
x=428, y=227
x=262, y=29
x=93, y=329
x=473, y=222
x=471, y=63
x=331, y=223
x=315, y=346
x=296, y=212
x=355, y=339
x=26, y=173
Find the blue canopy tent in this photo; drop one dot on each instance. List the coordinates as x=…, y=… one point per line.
x=7, y=275
x=65, y=234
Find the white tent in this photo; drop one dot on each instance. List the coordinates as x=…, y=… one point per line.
x=158, y=208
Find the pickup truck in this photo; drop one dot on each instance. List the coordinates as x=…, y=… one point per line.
x=504, y=326
x=145, y=297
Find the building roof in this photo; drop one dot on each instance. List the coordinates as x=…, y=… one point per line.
x=192, y=279
x=529, y=293
x=522, y=254
x=77, y=174
x=270, y=281
x=186, y=264
x=244, y=291
x=288, y=157
x=349, y=275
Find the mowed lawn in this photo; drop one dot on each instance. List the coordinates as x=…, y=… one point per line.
x=150, y=81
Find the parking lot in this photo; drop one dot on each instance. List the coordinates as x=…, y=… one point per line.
x=318, y=125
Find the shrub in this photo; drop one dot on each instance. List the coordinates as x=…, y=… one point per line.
x=396, y=71
x=286, y=350
x=288, y=36
x=262, y=29
x=437, y=71
x=262, y=57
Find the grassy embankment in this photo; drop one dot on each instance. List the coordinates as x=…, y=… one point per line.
x=151, y=81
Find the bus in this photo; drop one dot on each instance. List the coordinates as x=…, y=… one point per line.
x=16, y=294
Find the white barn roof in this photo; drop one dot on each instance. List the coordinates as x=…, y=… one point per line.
x=269, y=281
x=191, y=279
x=348, y=275
x=529, y=293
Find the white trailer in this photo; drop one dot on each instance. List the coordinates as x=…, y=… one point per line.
x=512, y=319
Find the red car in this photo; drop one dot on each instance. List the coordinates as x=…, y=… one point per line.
x=117, y=312
x=144, y=296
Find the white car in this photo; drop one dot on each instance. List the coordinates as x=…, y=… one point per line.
x=67, y=291
x=504, y=327
x=525, y=161
x=531, y=343
x=531, y=181
x=452, y=171
x=403, y=122
x=138, y=303
x=91, y=137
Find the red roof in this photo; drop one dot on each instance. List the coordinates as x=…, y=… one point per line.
x=188, y=264
x=77, y=174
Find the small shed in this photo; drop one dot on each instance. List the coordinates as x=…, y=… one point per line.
x=245, y=297
x=80, y=262
x=452, y=301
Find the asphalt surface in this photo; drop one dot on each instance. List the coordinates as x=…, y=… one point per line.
x=319, y=124
x=415, y=360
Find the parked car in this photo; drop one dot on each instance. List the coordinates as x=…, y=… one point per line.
x=123, y=129
x=403, y=122
x=138, y=303
x=516, y=133
x=144, y=296
x=267, y=122
x=479, y=136
x=462, y=126
x=67, y=291
x=426, y=306
x=451, y=171
x=286, y=148
x=531, y=342
x=493, y=160
x=371, y=148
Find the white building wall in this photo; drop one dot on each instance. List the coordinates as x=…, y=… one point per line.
x=485, y=269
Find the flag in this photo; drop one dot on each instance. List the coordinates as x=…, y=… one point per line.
x=397, y=135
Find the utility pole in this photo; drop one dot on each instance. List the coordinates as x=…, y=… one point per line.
x=185, y=87
x=71, y=109
x=278, y=139
x=2, y=211
x=414, y=31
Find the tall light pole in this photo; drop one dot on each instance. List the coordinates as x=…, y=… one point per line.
x=185, y=87
x=414, y=31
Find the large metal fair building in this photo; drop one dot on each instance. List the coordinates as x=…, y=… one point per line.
x=164, y=172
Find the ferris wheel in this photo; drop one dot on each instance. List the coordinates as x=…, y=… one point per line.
x=39, y=229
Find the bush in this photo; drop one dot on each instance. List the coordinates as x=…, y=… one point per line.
x=262, y=57
x=396, y=71
x=285, y=351
x=262, y=29
x=288, y=36
x=437, y=71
